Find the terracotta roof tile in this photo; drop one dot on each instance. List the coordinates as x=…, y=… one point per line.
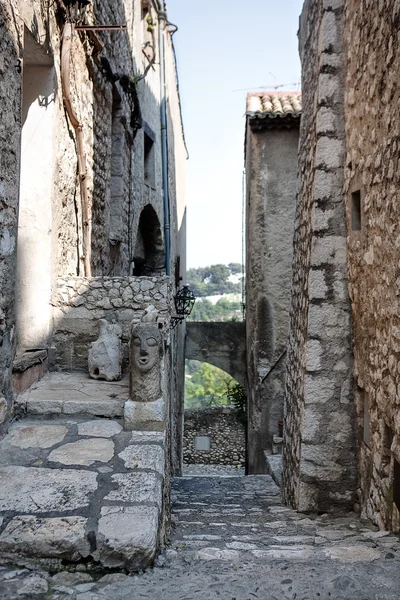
x=273, y=104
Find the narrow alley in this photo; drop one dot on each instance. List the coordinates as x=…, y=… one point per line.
x=233, y=539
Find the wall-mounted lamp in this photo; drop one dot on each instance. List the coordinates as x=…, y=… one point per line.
x=184, y=302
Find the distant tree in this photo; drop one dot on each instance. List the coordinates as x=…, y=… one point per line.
x=206, y=385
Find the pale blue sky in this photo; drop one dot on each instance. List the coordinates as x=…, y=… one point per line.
x=224, y=46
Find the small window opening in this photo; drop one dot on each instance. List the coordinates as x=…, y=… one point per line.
x=356, y=211
x=366, y=419
x=149, y=161
x=388, y=436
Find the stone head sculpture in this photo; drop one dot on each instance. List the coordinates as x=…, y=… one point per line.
x=145, y=358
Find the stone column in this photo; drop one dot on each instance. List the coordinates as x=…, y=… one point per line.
x=319, y=451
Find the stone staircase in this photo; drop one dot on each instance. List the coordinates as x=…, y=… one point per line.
x=232, y=539
x=74, y=486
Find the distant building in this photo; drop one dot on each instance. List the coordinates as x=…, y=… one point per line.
x=272, y=137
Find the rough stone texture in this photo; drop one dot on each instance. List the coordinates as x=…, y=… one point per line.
x=30, y=489
x=105, y=356
x=10, y=141
x=127, y=536
x=83, y=452
x=111, y=511
x=271, y=167
x=80, y=303
x=372, y=125
x=220, y=344
x=319, y=450
x=99, y=428
x=226, y=433
x=233, y=538
x=72, y=394
x=142, y=415
x=28, y=436
x=36, y=536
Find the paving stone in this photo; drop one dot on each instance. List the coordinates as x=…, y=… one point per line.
x=217, y=554
x=136, y=487
x=36, y=436
x=127, y=536
x=144, y=457
x=33, y=490
x=67, y=578
x=99, y=428
x=52, y=537
x=83, y=452
x=144, y=437
x=352, y=553
x=33, y=586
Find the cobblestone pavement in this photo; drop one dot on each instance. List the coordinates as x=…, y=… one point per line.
x=232, y=539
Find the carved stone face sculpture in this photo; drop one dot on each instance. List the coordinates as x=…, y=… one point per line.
x=146, y=342
x=145, y=360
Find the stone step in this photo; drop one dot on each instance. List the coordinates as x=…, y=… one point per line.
x=73, y=394
x=80, y=489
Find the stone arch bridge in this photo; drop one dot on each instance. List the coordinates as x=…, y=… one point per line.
x=220, y=344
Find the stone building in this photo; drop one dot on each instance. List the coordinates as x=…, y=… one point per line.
x=272, y=136
x=92, y=181
x=343, y=385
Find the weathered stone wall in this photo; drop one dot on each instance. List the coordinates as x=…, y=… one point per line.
x=372, y=88
x=226, y=434
x=10, y=131
x=114, y=147
x=271, y=170
x=319, y=449
x=79, y=303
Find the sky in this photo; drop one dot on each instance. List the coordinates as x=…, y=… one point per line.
x=225, y=49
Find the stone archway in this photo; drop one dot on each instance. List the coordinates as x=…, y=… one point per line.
x=220, y=344
x=149, y=255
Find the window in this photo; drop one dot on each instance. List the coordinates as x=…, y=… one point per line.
x=202, y=443
x=356, y=211
x=148, y=161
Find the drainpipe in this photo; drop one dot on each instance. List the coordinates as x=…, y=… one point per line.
x=65, y=84
x=162, y=17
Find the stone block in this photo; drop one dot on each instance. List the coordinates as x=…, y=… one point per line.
x=314, y=354
x=329, y=250
x=328, y=35
x=33, y=490
x=99, y=428
x=317, y=286
x=36, y=436
x=100, y=408
x=138, y=413
x=318, y=389
x=83, y=452
x=316, y=463
x=127, y=536
x=144, y=457
x=329, y=153
x=328, y=89
x=136, y=488
x=46, y=538
x=3, y=409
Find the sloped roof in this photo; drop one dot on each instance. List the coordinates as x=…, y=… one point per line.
x=277, y=109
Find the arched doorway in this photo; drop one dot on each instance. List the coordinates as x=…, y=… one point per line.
x=149, y=255
x=214, y=419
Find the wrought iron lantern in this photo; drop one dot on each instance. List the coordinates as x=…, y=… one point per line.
x=184, y=302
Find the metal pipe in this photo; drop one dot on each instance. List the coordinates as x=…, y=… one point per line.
x=65, y=84
x=164, y=144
